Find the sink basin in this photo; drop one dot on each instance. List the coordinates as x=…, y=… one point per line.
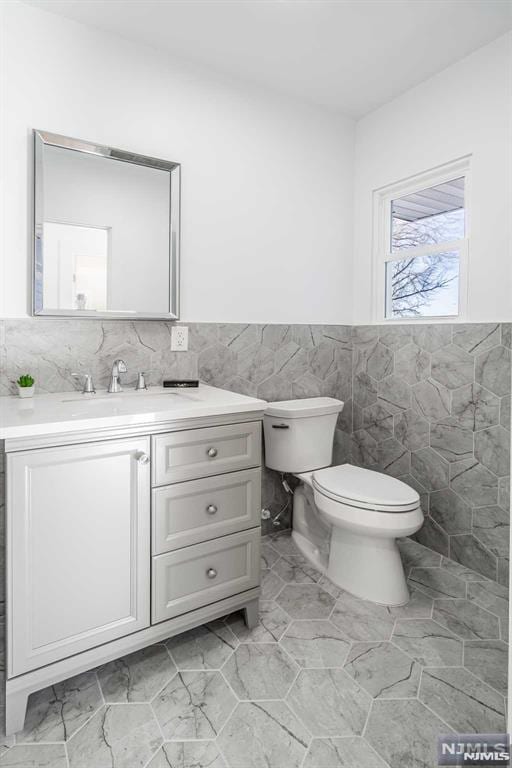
x=117, y=397
x=120, y=403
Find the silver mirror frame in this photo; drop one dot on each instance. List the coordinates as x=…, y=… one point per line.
x=42, y=138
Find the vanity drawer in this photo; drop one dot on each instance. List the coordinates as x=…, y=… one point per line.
x=200, y=510
x=195, y=453
x=204, y=573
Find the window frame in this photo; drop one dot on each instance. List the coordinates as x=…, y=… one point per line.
x=382, y=253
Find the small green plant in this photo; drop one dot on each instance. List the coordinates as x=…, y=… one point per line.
x=25, y=380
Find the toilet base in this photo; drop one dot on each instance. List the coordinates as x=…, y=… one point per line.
x=367, y=567
x=310, y=551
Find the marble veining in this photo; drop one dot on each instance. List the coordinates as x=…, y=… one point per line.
x=363, y=685
x=414, y=396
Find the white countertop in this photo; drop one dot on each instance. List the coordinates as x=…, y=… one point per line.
x=72, y=411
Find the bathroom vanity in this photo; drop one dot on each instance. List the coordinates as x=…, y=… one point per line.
x=130, y=518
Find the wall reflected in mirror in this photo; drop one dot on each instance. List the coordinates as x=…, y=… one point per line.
x=107, y=232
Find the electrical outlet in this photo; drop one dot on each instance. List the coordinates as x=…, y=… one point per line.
x=179, y=338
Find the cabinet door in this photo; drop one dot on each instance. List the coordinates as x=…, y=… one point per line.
x=78, y=548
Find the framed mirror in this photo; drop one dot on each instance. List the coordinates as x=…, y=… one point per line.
x=106, y=231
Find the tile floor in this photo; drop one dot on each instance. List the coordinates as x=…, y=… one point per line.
x=324, y=681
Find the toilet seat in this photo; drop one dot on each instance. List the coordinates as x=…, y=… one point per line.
x=365, y=489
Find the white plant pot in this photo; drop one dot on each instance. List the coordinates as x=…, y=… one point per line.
x=26, y=391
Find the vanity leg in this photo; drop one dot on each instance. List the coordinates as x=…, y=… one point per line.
x=15, y=711
x=251, y=614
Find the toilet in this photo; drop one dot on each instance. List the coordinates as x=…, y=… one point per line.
x=346, y=519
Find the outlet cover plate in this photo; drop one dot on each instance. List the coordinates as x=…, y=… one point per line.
x=179, y=338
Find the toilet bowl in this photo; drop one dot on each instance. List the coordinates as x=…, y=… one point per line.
x=358, y=512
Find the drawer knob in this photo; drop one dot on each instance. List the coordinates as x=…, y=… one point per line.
x=143, y=458
x=212, y=452
x=211, y=509
x=211, y=573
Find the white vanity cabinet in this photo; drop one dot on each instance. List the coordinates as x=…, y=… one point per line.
x=122, y=535
x=78, y=526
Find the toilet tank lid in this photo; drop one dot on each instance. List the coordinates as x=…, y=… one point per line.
x=307, y=406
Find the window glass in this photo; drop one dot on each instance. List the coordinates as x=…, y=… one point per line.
x=428, y=217
x=423, y=286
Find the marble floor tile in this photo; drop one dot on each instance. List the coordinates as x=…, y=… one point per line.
x=271, y=585
x=35, y=756
x=55, y=713
x=283, y=543
x=463, y=701
x=194, y=705
x=271, y=626
x=295, y=569
x=260, y=671
x=461, y=571
x=316, y=644
x=489, y=595
x=188, y=754
x=206, y=647
x=264, y=735
x=136, y=677
x=437, y=582
x=383, y=670
x=118, y=736
x=329, y=702
x=416, y=555
x=466, y=619
x=418, y=607
x=353, y=658
x=362, y=620
x=346, y=752
x=428, y=642
x=305, y=601
x=269, y=556
x=488, y=660
x=404, y=733
x=330, y=587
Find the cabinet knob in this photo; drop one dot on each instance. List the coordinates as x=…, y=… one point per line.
x=211, y=573
x=212, y=452
x=211, y=509
x=143, y=458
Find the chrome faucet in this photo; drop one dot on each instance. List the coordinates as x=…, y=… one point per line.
x=118, y=367
x=88, y=387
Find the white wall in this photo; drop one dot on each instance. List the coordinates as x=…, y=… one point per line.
x=267, y=182
x=466, y=109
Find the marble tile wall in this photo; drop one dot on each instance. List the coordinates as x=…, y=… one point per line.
x=431, y=406
x=427, y=403
x=274, y=362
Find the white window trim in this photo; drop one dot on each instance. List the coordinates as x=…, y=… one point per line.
x=382, y=198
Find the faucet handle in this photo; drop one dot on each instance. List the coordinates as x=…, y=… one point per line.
x=121, y=366
x=88, y=387
x=141, y=381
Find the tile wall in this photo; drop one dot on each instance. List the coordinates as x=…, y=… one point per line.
x=273, y=362
x=427, y=403
x=431, y=405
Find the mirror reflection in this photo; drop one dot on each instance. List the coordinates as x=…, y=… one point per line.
x=106, y=237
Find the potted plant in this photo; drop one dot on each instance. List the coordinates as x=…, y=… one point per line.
x=25, y=385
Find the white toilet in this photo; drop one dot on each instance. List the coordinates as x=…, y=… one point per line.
x=360, y=511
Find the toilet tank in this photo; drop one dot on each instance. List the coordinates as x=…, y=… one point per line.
x=299, y=434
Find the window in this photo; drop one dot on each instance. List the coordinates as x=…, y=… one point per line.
x=421, y=246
